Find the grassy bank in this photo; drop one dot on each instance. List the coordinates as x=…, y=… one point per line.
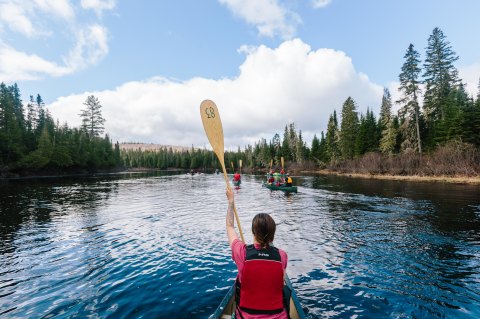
x=411, y=178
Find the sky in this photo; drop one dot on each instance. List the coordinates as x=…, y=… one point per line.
x=265, y=63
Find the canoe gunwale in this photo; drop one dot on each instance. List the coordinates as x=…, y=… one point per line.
x=288, y=189
x=228, y=301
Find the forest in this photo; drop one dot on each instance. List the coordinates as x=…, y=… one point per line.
x=436, y=131
x=31, y=142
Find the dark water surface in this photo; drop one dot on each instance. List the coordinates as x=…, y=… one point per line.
x=154, y=246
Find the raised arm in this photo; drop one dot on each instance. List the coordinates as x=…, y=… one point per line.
x=232, y=235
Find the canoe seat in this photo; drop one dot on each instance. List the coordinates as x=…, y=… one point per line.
x=226, y=316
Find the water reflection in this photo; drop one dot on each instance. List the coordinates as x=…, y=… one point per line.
x=151, y=244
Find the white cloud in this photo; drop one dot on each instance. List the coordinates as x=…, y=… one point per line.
x=15, y=65
x=24, y=16
x=59, y=8
x=15, y=17
x=320, y=3
x=291, y=83
x=470, y=74
x=98, y=5
x=32, y=18
x=268, y=16
x=91, y=46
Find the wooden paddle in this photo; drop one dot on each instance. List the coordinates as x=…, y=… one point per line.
x=240, y=165
x=281, y=159
x=233, y=168
x=213, y=128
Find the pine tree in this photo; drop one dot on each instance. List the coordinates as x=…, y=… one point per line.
x=332, y=139
x=367, y=138
x=389, y=138
x=385, y=110
x=410, y=109
x=286, y=152
x=92, y=120
x=300, y=149
x=440, y=75
x=315, y=152
x=348, y=128
x=11, y=141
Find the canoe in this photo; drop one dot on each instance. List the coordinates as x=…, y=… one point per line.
x=274, y=187
x=227, y=307
x=236, y=183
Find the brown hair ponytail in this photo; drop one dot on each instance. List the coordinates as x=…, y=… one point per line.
x=263, y=228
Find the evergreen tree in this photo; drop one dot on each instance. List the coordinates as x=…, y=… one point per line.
x=293, y=141
x=92, y=120
x=385, y=110
x=410, y=109
x=348, y=128
x=315, y=152
x=300, y=149
x=286, y=151
x=389, y=138
x=11, y=141
x=332, y=139
x=440, y=76
x=277, y=146
x=367, y=137
x=40, y=115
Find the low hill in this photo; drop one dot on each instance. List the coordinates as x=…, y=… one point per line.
x=151, y=147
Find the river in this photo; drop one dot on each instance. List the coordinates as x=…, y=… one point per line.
x=153, y=245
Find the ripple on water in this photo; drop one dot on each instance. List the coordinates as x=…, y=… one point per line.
x=151, y=246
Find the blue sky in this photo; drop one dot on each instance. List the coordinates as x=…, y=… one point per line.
x=265, y=63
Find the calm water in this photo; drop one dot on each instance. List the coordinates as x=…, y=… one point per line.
x=153, y=246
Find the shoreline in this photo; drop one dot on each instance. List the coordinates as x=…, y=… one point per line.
x=470, y=180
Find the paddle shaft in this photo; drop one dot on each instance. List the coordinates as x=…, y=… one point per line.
x=213, y=128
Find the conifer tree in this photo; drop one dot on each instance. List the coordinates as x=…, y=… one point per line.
x=440, y=75
x=332, y=139
x=348, y=128
x=315, y=152
x=410, y=109
x=286, y=152
x=367, y=137
x=92, y=120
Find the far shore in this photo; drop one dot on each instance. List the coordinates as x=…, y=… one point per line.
x=472, y=180
x=409, y=178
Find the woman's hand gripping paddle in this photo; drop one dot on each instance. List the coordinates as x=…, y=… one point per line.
x=213, y=128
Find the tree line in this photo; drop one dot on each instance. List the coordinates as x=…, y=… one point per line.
x=435, y=131
x=31, y=141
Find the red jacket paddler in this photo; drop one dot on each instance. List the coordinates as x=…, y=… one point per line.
x=261, y=289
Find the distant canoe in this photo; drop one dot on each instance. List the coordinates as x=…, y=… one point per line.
x=227, y=307
x=274, y=187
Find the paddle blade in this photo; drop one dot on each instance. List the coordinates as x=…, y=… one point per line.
x=281, y=158
x=213, y=127
x=240, y=163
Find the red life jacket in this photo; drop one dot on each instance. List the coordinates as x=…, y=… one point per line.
x=261, y=289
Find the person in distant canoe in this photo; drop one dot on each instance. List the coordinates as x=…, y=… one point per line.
x=261, y=269
x=288, y=180
x=282, y=171
x=271, y=179
x=237, y=177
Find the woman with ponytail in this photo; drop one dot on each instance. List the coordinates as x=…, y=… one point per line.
x=261, y=268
